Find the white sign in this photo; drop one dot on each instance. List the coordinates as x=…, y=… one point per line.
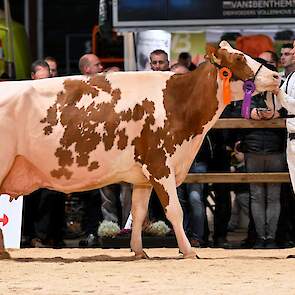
x=11, y=221
x=148, y=41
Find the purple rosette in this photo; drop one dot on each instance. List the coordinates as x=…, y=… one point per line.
x=249, y=88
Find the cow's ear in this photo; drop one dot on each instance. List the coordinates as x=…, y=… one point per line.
x=211, y=54
x=224, y=44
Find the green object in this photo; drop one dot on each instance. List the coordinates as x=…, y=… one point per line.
x=22, y=55
x=194, y=43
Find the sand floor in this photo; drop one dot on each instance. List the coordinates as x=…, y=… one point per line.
x=109, y=271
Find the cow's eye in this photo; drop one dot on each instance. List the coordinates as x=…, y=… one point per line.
x=240, y=58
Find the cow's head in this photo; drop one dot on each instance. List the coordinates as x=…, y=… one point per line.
x=243, y=67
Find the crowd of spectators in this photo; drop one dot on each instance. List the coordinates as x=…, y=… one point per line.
x=266, y=206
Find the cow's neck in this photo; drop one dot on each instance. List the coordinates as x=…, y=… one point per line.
x=192, y=101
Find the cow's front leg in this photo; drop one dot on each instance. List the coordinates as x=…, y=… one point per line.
x=166, y=191
x=139, y=208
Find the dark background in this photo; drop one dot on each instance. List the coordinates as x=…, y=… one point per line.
x=70, y=20
x=145, y=10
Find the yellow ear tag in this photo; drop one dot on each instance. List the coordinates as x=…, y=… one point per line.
x=225, y=75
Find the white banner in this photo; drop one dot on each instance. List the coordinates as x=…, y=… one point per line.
x=148, y=41
x=11, y=220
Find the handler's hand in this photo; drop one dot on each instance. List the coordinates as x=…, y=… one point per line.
x=267, y=114
x=276, y=91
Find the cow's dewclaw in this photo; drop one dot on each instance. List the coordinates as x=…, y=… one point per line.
x=141, y=255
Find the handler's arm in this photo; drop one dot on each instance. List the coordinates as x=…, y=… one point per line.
x=287, y=101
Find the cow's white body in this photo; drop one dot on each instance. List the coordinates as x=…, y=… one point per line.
x=152, y=144
x=26, y=104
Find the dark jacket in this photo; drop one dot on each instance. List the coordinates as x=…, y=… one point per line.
x=262, y=141
x=205, y=154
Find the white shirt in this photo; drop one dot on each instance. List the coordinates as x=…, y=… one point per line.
x=286, y=97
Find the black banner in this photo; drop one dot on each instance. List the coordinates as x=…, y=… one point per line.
x=258, y=9
x=186, y=12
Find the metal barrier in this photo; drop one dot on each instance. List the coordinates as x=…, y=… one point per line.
x=265, y=177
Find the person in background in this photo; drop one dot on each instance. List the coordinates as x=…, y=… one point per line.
x=179, y=69
x=52, y=66
x=286, y=97
x=287, y=60
x=270, y=57
x=40, y=70
x=285, y=232
x=89, y=64
x=185, y=59
x=112, y=69
x=44, y=210
x=31, y=206
x=241, y=201
x=116, y=198
x=192, y=198
x=159, y=60
x=264, y=152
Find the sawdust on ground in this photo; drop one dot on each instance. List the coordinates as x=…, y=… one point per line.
x=110, y=271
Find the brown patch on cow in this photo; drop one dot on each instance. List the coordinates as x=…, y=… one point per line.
x=116, y=95
x=80, y=123
x=190, y=103
x=58, y=173
x=79, y=127
x=148, y=106
x=64, y=157
x=126, y=115
x=161, y=193
x=100, y=82
x=149, y=152
x=51, y=119
x=138, y=112
x=48, y=130
x=93, y=166
x=74, y=90
x=123, y=139
x=51, y=116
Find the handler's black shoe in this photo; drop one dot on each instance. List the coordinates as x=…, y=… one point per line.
x=222, y=243
x=259, y=244
x=271, y=244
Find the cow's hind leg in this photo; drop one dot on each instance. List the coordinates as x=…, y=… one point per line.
x=167, y=194
x=139, y=208
x=3, y=253
x=7, y=156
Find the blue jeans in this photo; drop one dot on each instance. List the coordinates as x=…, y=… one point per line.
x=265, y=197
x=191, y=198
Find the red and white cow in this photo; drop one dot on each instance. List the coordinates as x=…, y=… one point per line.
x=79, y=133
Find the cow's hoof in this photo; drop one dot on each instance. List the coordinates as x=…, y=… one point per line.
x=191, y=255
x=4, y=255
x=141, y=255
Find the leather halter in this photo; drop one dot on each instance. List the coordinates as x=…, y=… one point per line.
x=249, y=86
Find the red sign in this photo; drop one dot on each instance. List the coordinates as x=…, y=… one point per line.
x=4, y=220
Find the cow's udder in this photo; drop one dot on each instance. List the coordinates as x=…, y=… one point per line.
x=23, y=178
